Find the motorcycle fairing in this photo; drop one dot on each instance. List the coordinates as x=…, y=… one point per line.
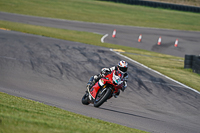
x=94, y=90
x=100, y=84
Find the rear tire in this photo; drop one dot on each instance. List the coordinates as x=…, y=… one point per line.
x=85, y=99
x=98, y=102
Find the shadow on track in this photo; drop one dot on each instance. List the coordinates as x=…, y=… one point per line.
x=120, y=112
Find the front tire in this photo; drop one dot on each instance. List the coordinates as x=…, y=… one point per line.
x=99, y=100
x=85, y=99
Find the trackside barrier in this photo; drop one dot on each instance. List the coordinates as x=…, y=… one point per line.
x=193, y=62
x=159, y=4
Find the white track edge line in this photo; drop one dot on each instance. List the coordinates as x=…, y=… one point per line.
x=155, y=71
x=102, y=39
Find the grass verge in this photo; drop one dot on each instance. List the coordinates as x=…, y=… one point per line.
x=19, y=115
x=105, y=12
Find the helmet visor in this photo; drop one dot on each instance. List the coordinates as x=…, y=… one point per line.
x=123, y=69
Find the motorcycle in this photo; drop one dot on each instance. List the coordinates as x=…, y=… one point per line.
x=109, y=85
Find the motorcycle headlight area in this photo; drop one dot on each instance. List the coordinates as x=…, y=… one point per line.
x=101, y=82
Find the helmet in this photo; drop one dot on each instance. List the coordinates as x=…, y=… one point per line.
x=122, y=66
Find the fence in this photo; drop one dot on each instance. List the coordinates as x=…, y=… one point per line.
x=159, y=4
x=192, y=61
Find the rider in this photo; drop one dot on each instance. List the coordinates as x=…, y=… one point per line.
x=122, y=66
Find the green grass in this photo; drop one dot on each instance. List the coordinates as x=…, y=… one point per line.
x=105, y=12
x=19, y=115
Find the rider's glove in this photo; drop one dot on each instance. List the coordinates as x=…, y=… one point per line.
x=97, y=77
x=104, y=71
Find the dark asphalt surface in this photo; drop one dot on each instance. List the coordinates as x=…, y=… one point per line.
x=55, y=72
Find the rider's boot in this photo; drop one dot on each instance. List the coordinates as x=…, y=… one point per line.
x=116, y=94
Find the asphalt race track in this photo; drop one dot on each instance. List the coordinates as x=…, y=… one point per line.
x=188, y=41
x=55, y=72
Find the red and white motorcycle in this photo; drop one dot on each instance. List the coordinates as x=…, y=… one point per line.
x=108, y=86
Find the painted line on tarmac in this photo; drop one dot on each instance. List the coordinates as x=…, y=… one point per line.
x=118, y=50
x=155, y=71
x=102, y=39
x=4, y=29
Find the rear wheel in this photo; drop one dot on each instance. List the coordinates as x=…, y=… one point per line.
x=85, y=99
x=102, y=97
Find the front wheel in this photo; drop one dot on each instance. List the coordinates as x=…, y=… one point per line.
x=102, y=97
x=85, y=99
